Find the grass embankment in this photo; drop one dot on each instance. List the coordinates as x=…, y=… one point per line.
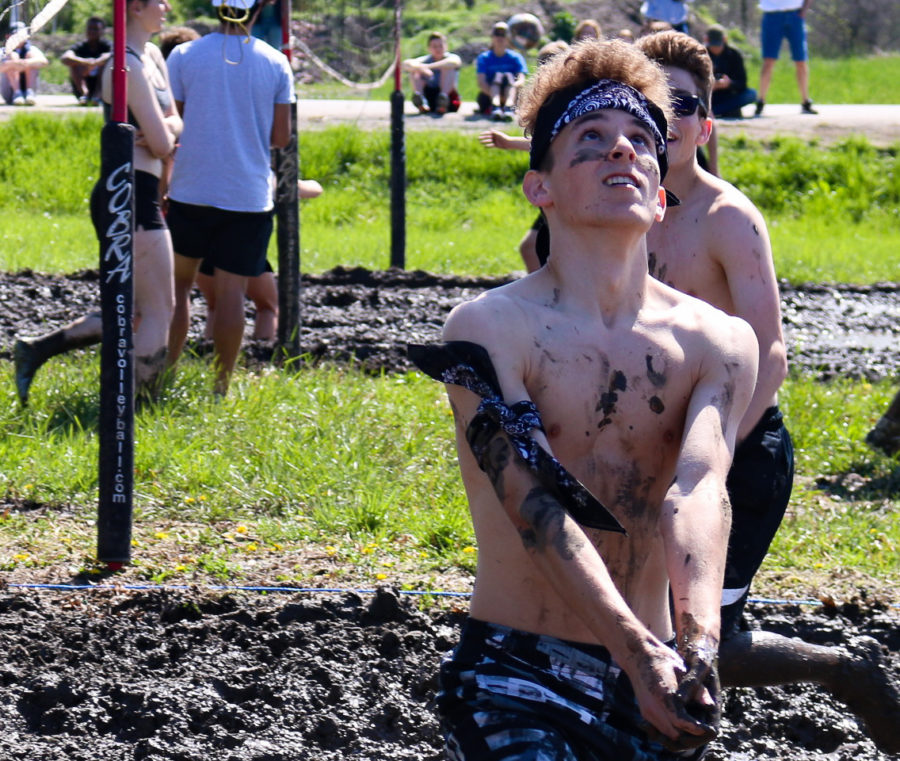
x=327, y=476
x=465, y=214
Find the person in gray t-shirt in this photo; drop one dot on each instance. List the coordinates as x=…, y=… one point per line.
x=234, y=93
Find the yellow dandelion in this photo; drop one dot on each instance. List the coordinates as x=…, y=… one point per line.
x=180, y=567
x=329, y=550
x=468, y=550
x=161, y=535
x=20, y=557
x=189, y=499
x=241, y=529
x=381, y=576
x=252, y=547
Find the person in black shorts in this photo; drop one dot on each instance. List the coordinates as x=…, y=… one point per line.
x=152, y=111
x=715, y=246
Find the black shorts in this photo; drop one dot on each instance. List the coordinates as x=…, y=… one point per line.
x=506, y=694
x=759, y=486
x=147, y=212
x=233, y=241
x=207, y=268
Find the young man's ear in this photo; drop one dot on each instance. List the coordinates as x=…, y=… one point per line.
x=660, y=205
x=706, y=128
x=536, y=187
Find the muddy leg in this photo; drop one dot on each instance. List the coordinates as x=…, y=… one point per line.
x=858, y=676
x=148, y=376
x=886, y=433
x=30, y=353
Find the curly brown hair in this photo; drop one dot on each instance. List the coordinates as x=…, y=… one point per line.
x=588, y=62
x=681, y=51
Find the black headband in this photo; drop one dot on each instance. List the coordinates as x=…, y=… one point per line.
x=568, y=104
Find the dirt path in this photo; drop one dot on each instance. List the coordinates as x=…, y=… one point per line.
x=879, y=123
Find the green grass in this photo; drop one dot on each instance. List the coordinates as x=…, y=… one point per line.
x=218, y=494
x=465, y=210
x=874, y=79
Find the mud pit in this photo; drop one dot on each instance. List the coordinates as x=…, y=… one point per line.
x=187, y=675
x=830, y=330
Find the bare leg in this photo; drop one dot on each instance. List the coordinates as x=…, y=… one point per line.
x=185, y=272
x=263, y=292
x=858, y=676
x=205, y=284
x=886, y=433
x=803, y=79
x=30, y=353
x=228, y=329
x=765, y=77
x=154, y=305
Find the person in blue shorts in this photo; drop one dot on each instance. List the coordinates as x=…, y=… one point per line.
x=500, y=72
x=784, y=19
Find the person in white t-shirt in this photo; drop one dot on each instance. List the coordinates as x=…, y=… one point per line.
x=234, y=92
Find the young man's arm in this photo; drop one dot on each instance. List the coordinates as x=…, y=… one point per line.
x=281, y=125
x=742, y=248
x=449, y=61
x=556, y=544
x=696, y=511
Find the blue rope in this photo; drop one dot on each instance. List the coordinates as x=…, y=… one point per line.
x=316, y=590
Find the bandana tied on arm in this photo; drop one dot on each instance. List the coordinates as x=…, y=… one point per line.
x=468, y=365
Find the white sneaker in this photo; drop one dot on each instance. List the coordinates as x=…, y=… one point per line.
x=19, y=99
x=29, y=97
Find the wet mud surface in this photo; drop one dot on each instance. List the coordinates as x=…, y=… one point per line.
x=830, y=331
x=181, y=675
x=178, y=675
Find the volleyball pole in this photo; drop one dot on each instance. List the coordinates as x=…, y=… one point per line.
x=287, y=214
x=398, y=154
x=116, y=428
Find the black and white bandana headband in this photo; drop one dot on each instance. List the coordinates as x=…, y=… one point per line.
x=564, y=106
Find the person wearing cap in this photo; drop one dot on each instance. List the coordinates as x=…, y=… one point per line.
x=784, y=19
x=234, y=92
x=19, y=70
x=500, y=73
x=715, y=246
x=433, y=77
x=596, y=410
x=86, y=60
x=730, y=92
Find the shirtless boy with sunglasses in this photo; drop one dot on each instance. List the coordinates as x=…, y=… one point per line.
x=715, y=246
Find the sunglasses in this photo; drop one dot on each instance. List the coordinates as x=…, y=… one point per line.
x=684, y=103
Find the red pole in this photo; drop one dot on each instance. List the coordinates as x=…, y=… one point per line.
x=119, y=75
x=286, y=28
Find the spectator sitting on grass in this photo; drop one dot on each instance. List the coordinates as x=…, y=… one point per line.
x=730, y=92
x=433, y=77
x=501, y=72
x=86, y=60
x=19, y=69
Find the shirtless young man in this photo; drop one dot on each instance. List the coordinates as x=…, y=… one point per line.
x=638, y=390
x=715, y=246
